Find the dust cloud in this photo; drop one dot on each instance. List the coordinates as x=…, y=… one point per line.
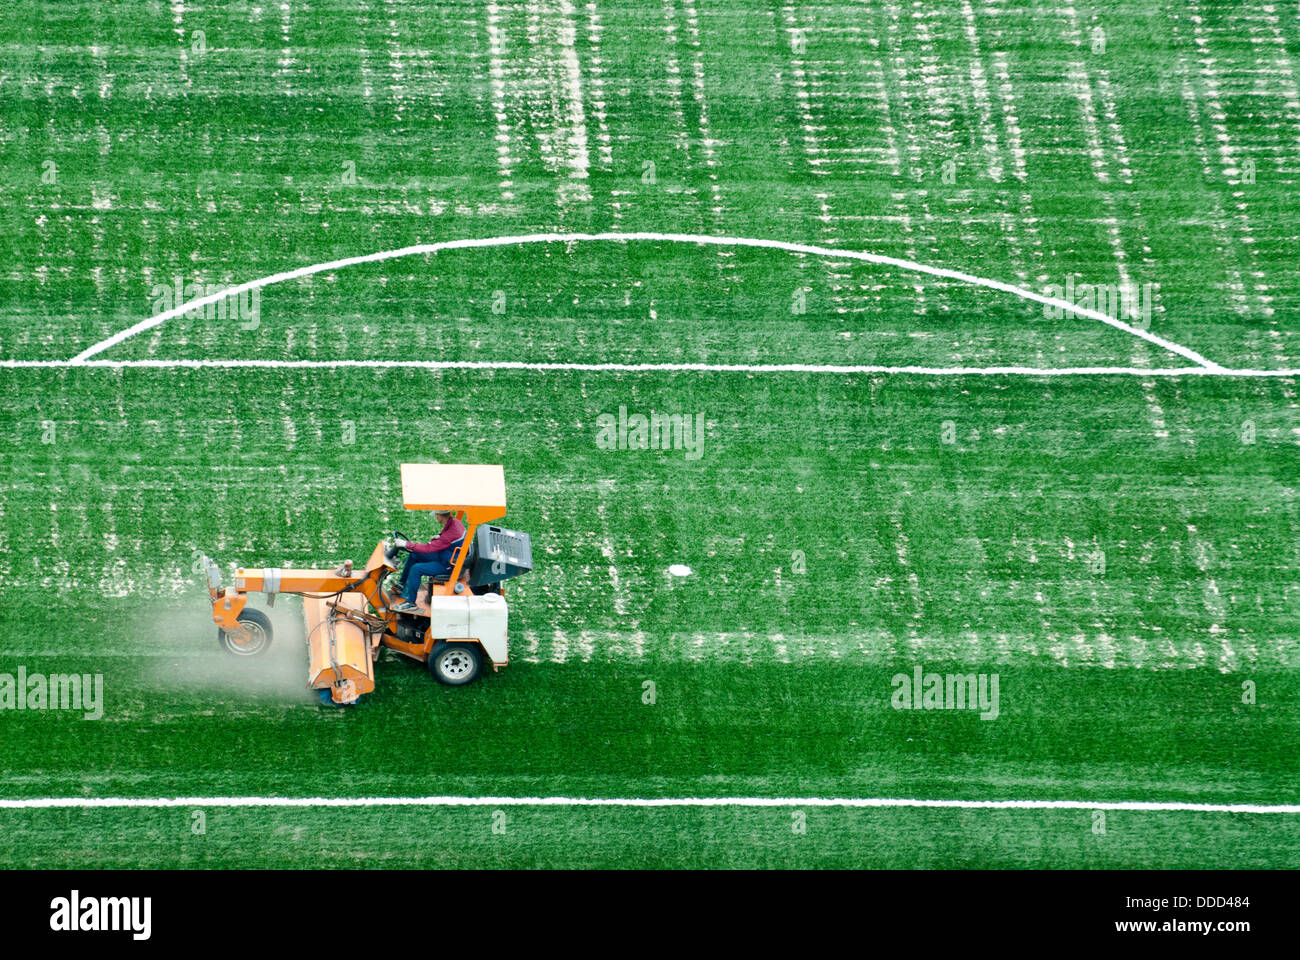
x=195, y=661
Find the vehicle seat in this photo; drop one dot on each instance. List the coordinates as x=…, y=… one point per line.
x=454, y=557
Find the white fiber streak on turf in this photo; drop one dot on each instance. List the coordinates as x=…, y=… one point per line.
x=497, y=47
x=901, y=551
x=395, y=69
x=286, y=50
x=1009, y=218
x=619, y=594
x=1232, y=173
x=1284, y=77
x=7, y=551
x=816, y=145
x=1082, y=82
x=1154, y=806
x=1231, y=170
x=178, y=18
x=1225, y=250
x=801, y=92
x=363, y=56
x=894, y=159
x=911, y=143
x=697, y=86
x=1140, y=354
x=801, y=89
x=576, y=189
x=674, y=82
x=1020, y=169
x=1203, y=556
x=1113, y=192
x=993, y=371
x=701, y=239
x=980, y=88
x=599, y=106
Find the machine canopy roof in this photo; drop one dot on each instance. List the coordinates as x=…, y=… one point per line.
x=478, y=489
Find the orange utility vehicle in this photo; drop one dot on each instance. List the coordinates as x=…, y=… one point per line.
x=349, y=613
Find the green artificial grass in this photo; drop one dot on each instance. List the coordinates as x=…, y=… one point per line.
x=1120, y=550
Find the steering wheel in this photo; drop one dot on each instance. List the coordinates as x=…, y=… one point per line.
x=391, y=549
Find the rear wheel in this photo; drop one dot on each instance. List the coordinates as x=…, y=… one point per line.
x=257, y=627
x=455, y=664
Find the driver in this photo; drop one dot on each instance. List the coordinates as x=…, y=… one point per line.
x=431, y=559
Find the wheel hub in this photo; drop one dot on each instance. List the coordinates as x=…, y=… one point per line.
x=250, y=640
x=455, y=664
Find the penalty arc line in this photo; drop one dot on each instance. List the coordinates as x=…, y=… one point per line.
x=1157, y=806
x=616, y=237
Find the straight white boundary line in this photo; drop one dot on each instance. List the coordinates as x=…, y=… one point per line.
x=1011, y=371
x=449, y=801
x=695, y=238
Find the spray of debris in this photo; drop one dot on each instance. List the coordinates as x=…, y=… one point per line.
x=193, y=660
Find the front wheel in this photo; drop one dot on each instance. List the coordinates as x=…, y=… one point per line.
x=257, y=626
x=455, y=664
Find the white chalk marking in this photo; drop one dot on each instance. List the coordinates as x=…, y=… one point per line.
x=814, y=368
x=651, y=236
x=1156, y=806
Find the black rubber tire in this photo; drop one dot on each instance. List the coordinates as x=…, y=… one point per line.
x=257, y=621
x=455, y=664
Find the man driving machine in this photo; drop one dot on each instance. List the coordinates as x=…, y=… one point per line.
x=431, y=559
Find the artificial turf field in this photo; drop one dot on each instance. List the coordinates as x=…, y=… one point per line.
x=1120, y=548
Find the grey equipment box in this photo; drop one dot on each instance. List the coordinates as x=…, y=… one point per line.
x=499, y=554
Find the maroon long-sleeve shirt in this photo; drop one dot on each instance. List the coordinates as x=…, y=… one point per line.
x=452, y=531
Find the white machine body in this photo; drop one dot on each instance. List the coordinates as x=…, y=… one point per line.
x=468, y=617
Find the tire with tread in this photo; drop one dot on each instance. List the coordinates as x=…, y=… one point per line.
x=259, y=626
x=455, y=664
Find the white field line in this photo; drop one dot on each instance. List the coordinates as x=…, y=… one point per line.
x=1156, y=806
x=650, y=236
x=833, y=369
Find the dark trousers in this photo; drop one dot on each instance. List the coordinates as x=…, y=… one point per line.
x=421, y=564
